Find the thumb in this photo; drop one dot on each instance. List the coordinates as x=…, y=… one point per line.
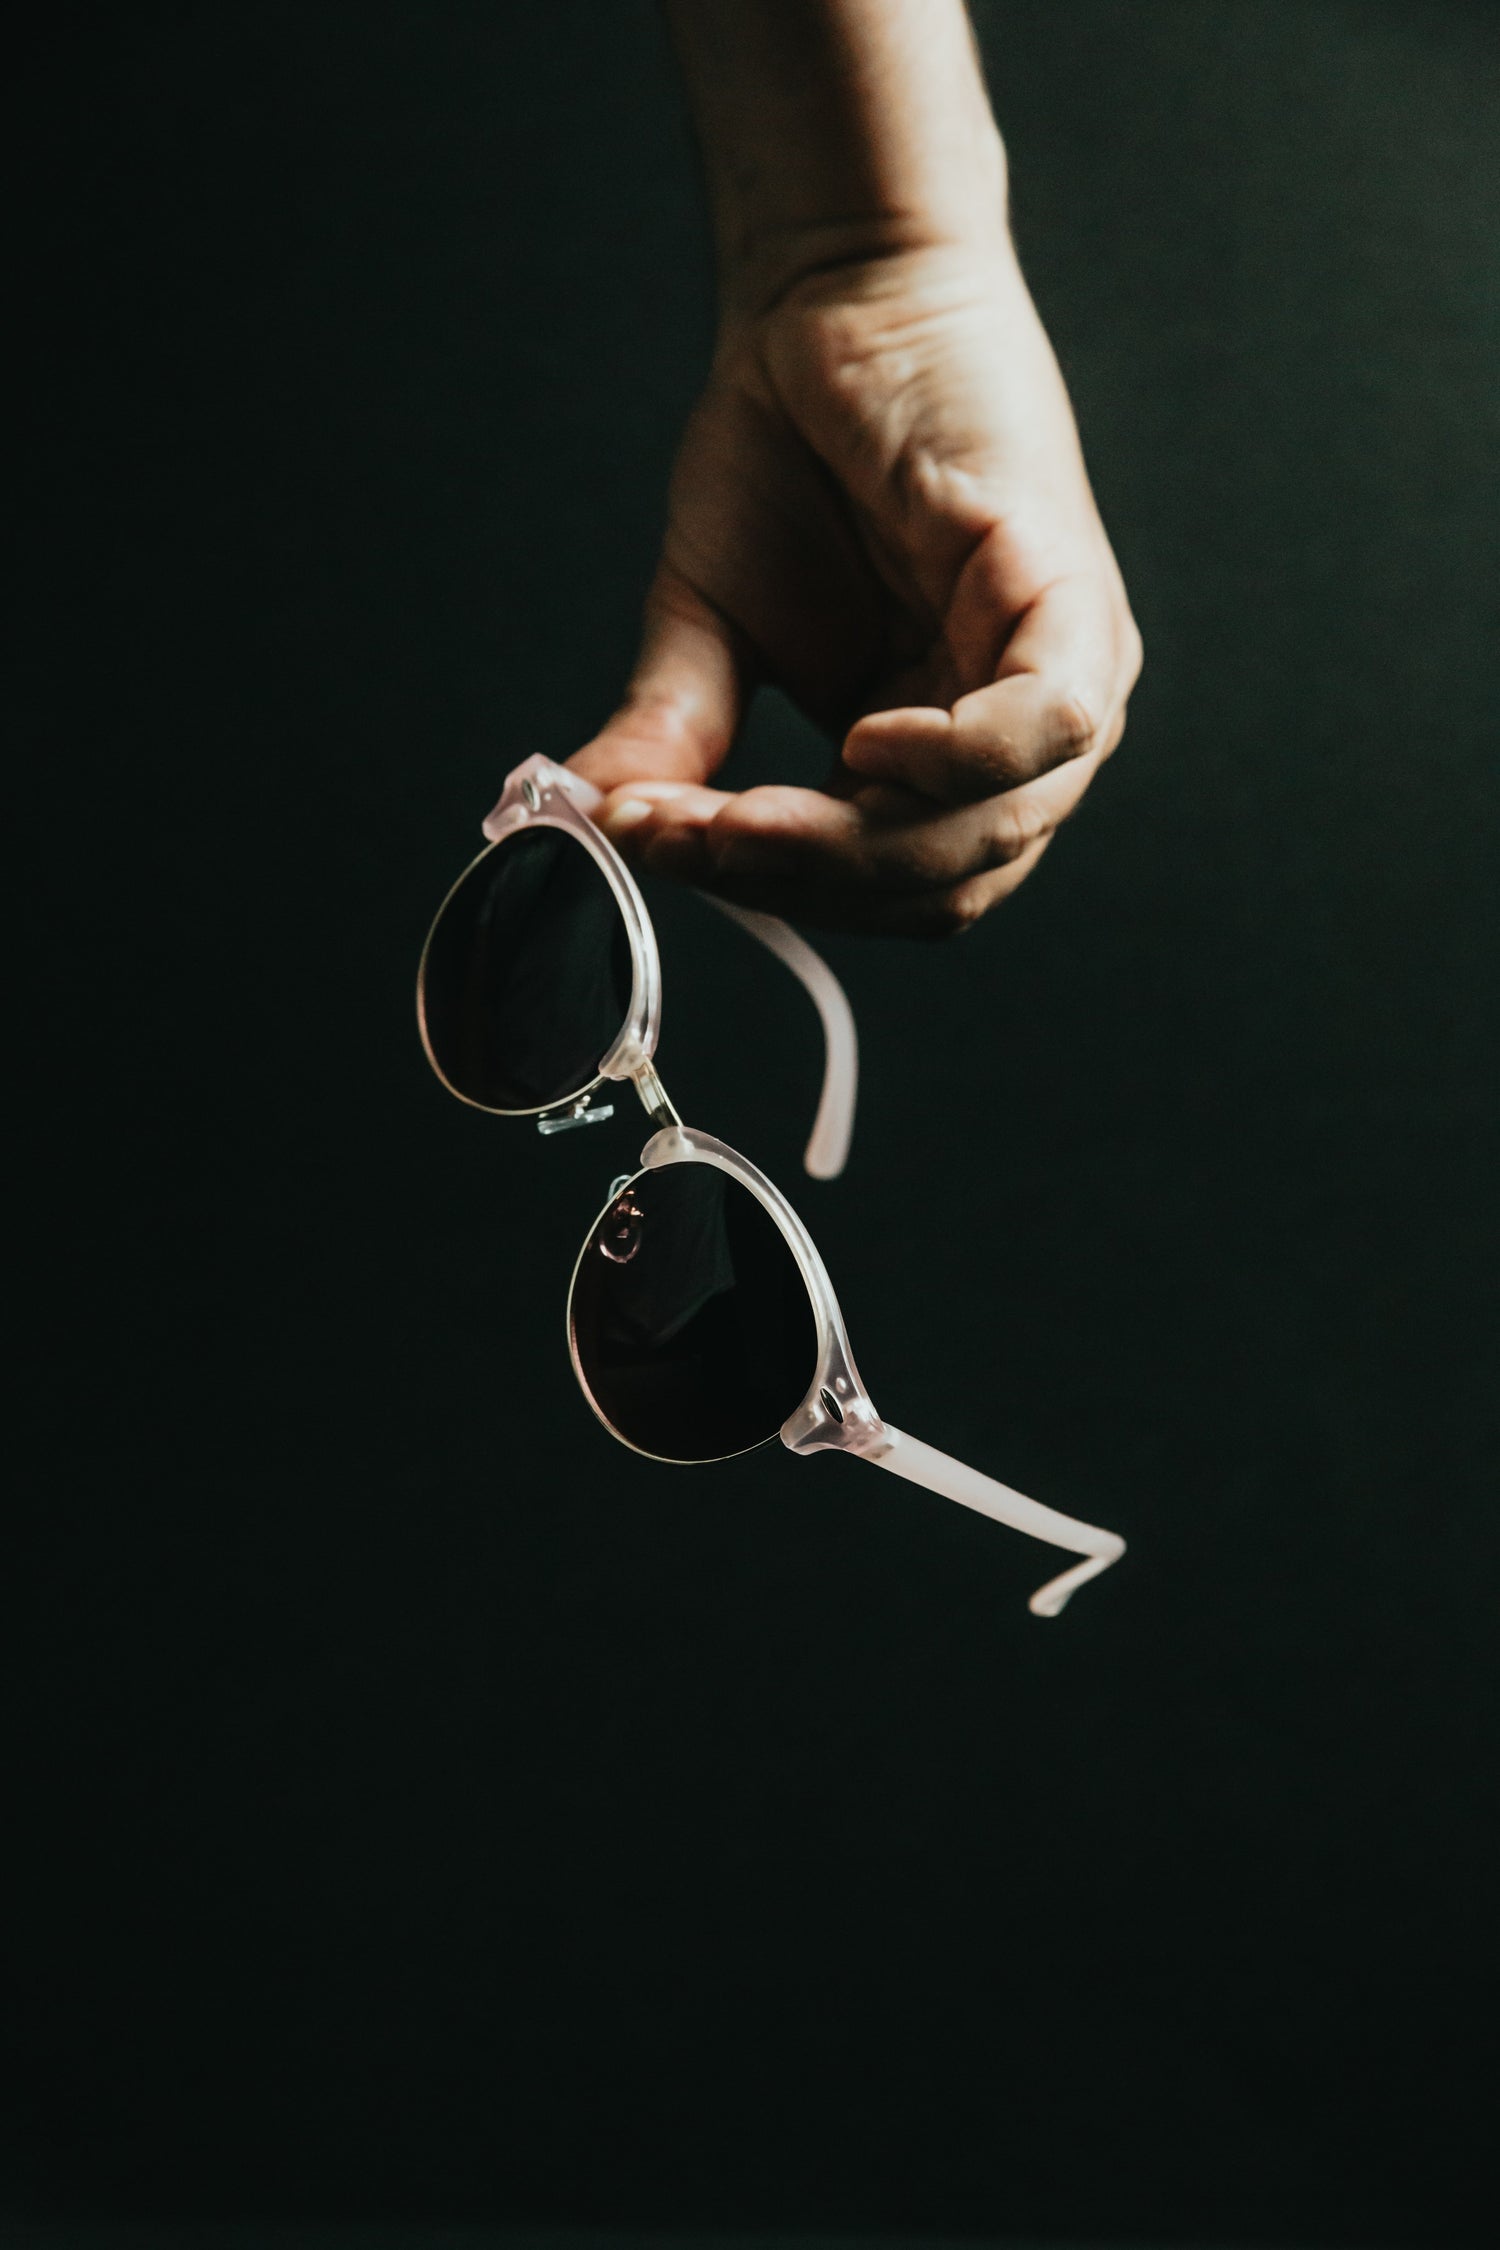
x=686, y=696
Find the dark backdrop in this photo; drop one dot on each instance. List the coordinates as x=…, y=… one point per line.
x=421, y=1806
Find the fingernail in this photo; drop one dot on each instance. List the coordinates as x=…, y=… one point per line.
x=628, y=813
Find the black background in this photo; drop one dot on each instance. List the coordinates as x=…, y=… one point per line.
x=418, y=1805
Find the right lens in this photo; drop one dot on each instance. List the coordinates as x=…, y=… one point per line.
x=525, y=982
x=691, y=1327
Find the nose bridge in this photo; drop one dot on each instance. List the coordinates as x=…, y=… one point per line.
x=654, y=1098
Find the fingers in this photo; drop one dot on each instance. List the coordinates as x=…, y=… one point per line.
x=685, y=698
x=882, y=860
x=662, y=826
x=1058, y=696
x=938, y=815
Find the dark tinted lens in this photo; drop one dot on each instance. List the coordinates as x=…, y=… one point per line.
x=691, y=1324
x=526, y=981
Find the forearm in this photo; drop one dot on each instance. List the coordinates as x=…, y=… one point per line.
x=834, y=130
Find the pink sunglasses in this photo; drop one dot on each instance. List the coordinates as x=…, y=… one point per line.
x=701, y=1319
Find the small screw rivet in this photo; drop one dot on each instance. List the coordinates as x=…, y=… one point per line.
x=831, y=1404
x=530, y=794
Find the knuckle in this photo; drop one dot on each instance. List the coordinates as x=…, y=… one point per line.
x=954, y=911
x=1017, y=826
x=1073, y=722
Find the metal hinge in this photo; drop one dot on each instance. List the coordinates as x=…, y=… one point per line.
x=577, y=1113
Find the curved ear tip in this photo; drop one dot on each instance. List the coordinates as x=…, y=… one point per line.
x=1053, y=1598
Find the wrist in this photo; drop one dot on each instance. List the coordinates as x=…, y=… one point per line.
x=836, y=132
x=768, y=249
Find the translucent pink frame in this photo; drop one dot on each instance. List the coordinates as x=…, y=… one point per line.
x=837, y=1413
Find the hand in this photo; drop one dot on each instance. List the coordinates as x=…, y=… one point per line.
x=880, y=506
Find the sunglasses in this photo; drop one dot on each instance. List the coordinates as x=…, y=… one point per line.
x=701, y=1319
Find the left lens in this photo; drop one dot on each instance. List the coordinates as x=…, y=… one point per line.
x=690, y=1323
x=525, y=981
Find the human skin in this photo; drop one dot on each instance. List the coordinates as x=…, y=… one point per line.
x=880, y=504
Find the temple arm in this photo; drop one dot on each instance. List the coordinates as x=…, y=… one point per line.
x=922, y=1464
x=828, y=1143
